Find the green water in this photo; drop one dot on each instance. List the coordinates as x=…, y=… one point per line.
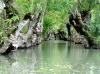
x=53, y=57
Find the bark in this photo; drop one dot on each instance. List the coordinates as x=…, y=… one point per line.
x=61, y=35
x=9, y=9
x=77, y=20
x=20, y=40
x=68, y=26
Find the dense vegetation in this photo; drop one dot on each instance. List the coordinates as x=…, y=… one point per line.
x=55, y=16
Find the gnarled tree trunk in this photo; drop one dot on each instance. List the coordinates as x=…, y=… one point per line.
x=78, y=20
x=21, y=40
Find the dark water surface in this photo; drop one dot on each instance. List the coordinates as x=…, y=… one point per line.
x=53, y=57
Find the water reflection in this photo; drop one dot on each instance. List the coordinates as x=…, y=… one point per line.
x=53, y=57
x=69, y=48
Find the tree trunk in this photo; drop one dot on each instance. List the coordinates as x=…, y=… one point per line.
x=9, y=9
x=78, y=20
x=20, y=40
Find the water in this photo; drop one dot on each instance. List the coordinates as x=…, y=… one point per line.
x=53, y=57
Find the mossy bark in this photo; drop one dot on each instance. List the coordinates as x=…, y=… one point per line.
x=31, y=38
x=76, y=19
x=9, y=9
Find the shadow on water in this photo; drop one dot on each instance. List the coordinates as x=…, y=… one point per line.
x=21, y=62
x=69, y=48
x=10, y=60
x=53, y=57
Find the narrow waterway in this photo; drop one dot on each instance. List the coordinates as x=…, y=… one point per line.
x=52, y=57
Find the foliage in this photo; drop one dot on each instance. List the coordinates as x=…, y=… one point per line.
x=95, y=21
x=56, y=14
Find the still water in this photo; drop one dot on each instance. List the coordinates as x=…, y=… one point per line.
x=53, y=57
